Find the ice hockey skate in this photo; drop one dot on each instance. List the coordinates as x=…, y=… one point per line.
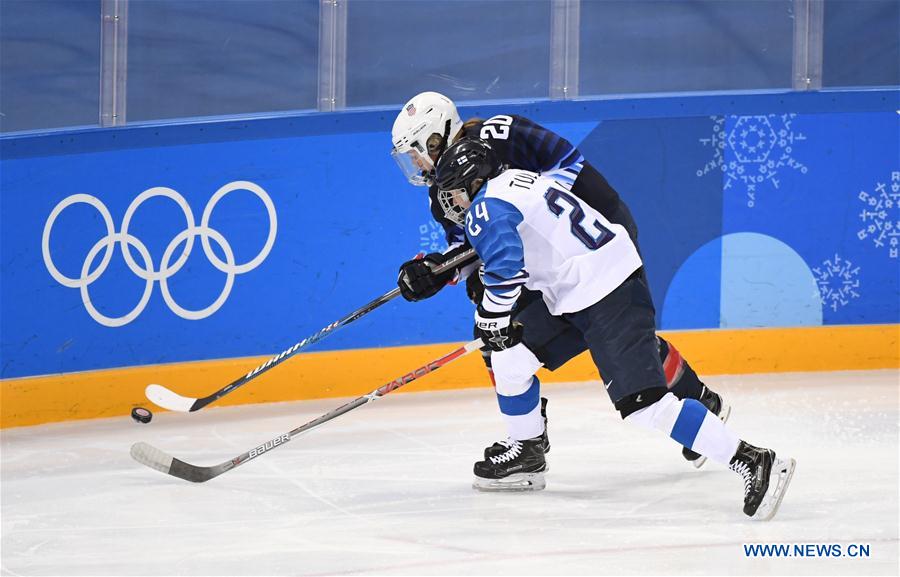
x=766, y=479
x=712, y=401
x=501, y=446
x=520, y=467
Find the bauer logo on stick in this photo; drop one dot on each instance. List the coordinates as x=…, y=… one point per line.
x=269, y=445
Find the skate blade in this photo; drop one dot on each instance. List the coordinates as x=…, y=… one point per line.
x=546, y=465
x=724, y=413
x=780, y=477
x=517, y=482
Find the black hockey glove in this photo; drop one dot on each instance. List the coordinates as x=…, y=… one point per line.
x=475, y=286
x=498, y=331
x=417, y=279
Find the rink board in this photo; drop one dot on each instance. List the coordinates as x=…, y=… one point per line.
x=114, y=392
x=187, y=252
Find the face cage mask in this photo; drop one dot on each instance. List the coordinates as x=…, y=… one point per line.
x=455, y=203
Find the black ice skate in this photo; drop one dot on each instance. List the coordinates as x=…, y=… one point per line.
x=520, y=468
x=501, y=446
x=766, y=479
x=712, y=401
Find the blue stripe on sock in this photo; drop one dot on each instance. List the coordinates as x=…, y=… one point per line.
x=688, y=423
x=521, y=404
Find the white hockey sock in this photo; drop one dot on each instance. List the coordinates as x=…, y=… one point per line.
x=527, y=426
x=691, y=424
x=518, y=391
x=715, y=440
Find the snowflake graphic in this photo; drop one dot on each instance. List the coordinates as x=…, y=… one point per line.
x=838, y=281
x=753, y=152
x=880, y=215
x=431, y=237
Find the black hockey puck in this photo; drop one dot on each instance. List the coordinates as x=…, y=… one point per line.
x=141, y=415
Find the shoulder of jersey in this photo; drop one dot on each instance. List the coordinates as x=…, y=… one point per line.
x=500, y=183
x=506, y=186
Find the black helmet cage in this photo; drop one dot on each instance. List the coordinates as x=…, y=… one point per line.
x=468, y=160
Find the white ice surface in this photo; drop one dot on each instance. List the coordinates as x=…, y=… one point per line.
x=386, y=489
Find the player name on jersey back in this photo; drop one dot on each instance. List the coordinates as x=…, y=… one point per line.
x=571, y=253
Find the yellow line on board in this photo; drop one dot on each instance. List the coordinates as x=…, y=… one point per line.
x=350, y=373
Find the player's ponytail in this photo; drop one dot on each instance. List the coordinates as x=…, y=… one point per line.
x=471, y=127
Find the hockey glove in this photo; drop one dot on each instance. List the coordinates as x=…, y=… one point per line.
x=475, y=286
x=417, y=279
x=498, y=331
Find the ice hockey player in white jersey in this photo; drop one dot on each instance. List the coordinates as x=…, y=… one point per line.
x=532, y=232
x=426, y=125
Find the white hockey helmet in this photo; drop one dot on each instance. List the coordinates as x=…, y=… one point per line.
x=421, y=132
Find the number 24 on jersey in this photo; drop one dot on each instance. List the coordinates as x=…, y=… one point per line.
x=481, y=212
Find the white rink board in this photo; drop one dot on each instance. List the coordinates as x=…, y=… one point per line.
x=386, y=489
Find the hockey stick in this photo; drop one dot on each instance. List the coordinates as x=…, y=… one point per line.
x=161, y=461
x=168, y=399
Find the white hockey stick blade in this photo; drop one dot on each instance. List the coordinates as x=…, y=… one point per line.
x=151, y=456
x=163, y=462
x=163, y=397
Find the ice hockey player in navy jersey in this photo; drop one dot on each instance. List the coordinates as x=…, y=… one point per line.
x=421, y=132
x=531, y=231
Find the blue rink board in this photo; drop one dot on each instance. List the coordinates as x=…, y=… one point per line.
x=754, y=210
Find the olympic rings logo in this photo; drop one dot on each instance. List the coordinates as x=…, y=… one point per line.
x=166, y=269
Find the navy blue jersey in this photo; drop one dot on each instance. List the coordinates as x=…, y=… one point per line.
x=523, y=144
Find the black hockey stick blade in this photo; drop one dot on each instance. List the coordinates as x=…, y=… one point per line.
x=161, y=461
x=168, y=399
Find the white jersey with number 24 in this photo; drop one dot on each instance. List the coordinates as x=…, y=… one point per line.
x=530, y=230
